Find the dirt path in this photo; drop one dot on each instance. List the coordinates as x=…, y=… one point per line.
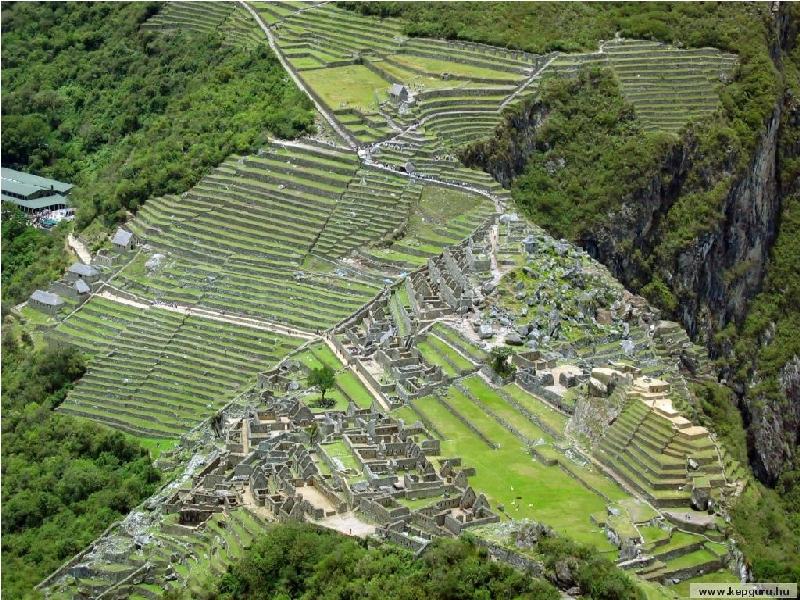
x=79, y=248
x=296, y=78
x=107, y=292
x=535, y=74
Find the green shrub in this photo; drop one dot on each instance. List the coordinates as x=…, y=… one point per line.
x=306, y=562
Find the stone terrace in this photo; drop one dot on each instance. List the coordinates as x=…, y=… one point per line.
x=157, y=373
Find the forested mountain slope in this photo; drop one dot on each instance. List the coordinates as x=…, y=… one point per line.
x=91, y=99
x=125, y=113
x=703, y=221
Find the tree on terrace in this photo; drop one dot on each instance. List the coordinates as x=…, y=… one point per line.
x=500, y=361
x=323, y=378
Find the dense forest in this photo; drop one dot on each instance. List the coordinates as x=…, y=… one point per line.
x=304, y=561
x=64, y=480
x=125, y=114
x=590, y=166
x=32, y=258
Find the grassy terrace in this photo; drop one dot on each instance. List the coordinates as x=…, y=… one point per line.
x=229, y=19
x=273, y=11
x=347, y=387
x=351, y=86
x=494, y=403
x=455, y=339
x=465, y=71
x=154, y=373
x=437, y=352
x=644, y=449
x=548, y=417
x=338, y=451
x=525, y=487
x=443, y=217
x=239, y=239
x=204, y=553
x=668, y=87
x=351, y=60
x=375, y=205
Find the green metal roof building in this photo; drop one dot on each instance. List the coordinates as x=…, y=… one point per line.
x=32, y=192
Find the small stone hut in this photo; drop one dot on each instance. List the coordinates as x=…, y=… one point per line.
x=87, y=273
x=46, y=302
x=123, y=240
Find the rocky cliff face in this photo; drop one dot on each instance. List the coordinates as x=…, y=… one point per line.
x=716, y=274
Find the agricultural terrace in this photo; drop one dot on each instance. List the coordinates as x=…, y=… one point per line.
x=196, y=555
x=442, y=217
x=155, y=373
x=261, y=235
x=436, y=351
x=351, y=67
x=668, y=87
x=238, y=240
x=351, y=86
x=347, y=388
x=486, y=427
x=229, y=19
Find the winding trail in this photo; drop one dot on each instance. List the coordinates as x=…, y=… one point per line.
x=296, y=78
x=79, y=248
x=108, y=292
x=535, y=75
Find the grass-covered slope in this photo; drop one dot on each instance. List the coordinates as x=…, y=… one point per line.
x=154, y=372
x=124, y=113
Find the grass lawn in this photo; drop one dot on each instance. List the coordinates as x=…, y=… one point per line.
x=432, y=357
x=416, y=80
x=407, y=414
x=682, y=589
x=36, y=317
x=340, y=401
x=549, y=417
x=352, y=386
x=461, y=363
x=554, y=497
x=155, y=446
x=498, y=405
x=463, y=344
x=461, y=70
x=352, y=86
x=326, y=355
x=339, y=450
x=697, y=557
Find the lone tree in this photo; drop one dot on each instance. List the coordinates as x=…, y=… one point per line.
x=500, y=361
x=323, y=378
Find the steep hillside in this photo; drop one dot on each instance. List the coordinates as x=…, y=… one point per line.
x=699, y=218
x=354, y=328
x=91, y=98
x=690, y=221
x=123, y=113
